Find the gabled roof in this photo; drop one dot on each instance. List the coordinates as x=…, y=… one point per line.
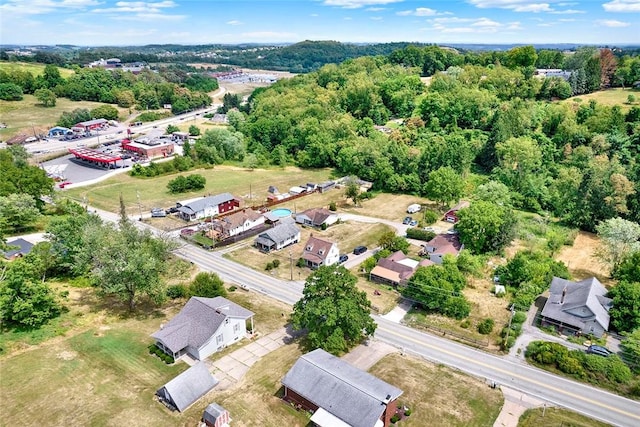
x=198, y=320
x=582, y=301
x=189, y=386
x=279, y=233
x=201, y=204
x=445, y=244
x=238, y=219
x=350, y=394
x=23, y=247
x=317, y=216
x=213, y=412
x=316, y=250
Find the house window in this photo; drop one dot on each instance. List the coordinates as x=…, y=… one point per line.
x=236, y=328
x=219, y=339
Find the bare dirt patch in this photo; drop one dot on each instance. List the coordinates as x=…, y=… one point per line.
x=581, y=259
x=388, y=206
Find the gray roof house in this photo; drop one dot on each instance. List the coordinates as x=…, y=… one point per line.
x=317, y=217
x=577, y=307
x=202, y=327
x=185, y=389
x=278, y=237
x=17, y=248
x=338, y=393
x=207, y=206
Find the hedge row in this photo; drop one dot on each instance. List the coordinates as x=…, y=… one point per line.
x=154, y=349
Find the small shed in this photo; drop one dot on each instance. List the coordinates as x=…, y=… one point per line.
x=185, y=389
x=17, y=248
x=216, y=416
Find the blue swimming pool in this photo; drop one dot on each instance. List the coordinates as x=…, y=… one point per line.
x=281, y=212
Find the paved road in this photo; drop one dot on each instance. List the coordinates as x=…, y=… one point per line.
x=556, y=390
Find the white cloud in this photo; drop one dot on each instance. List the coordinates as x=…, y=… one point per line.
x=234, y=22
x=568, y=12
x=534, y=7
x=38, y=7
x=527, y=5
x=612, y=23
x=622, y=6
x=356, y=4
x=419, y=11
x=486, y=22
x=376, y=9
x=484, y=25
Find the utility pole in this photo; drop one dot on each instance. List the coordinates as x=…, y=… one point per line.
x=139, y=205
x=506, y=343
x=291, y=264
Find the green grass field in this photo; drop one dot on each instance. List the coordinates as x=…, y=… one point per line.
x=556, y=417
x=33, y=68
x=153, y=191
x=28, y=115
x=610, y=97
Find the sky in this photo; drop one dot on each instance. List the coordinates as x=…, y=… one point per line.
x=108, y=22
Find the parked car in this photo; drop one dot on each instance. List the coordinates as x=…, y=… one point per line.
x=343, y=258
x=158, y=213
x=171, y=210
x=413, y=208
x=407, y=220
x=599, y=350
x=359, y=250
x=413, y=223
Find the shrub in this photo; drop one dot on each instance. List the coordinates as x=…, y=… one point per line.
x=395, y=418
x=177, y=291
x=182, y=183
x=519, y=317
x=207, y=285
x=232, y=288
x=407, y=412
x=430, y=217
x=333, y=207
x=276, y=263
x=172, y=128
x=420, y=234
x=465, y=323
x=486, y=326
x=301, y=263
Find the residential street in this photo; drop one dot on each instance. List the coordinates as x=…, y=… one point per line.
x=553, y=389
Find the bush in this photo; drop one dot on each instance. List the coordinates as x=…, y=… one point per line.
x=519, y=317
x=301, y=263
x=183, y=184
x=177, y=291
x=407, y=412
x=333, y=207
x=172, y=128
x=395, y=418
x=486, y=326
x=465, y=323
x=276, y=263
x=420, y=234
x=430, y=217
x=207, y=285
x=232, y=288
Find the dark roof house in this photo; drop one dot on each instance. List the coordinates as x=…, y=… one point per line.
x=202, y=327
x=577, y=307
x=17, y=248
x=278, y=237
x=185, y=389
x=318, y=252
x=339, y=394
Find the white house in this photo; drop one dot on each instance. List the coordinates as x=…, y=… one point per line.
x=278, y=237
x=238, y=222
x=317, y=217
x=205, y=207
x=203, y=326
x=318, y=252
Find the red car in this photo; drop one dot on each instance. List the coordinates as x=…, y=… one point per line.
x=64, y=184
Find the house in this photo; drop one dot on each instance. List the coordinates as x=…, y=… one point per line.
x=339, y=394
x=238, y=222
x=318, y=252
x=396, y=269
x=317, y=217
x=202, y=327
x=17, y=248
x=220, y=119
x=215, y=415
x=185, y=389
x=441, y=245
x=577, y=307
x=326, y=186
x=207, y=206
x=90, y=125
x=452, y=214
x=278, y=237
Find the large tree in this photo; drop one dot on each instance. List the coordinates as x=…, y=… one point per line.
x=620, y=239
x=625, y=312
x=333, y=311
x=46, y=97
x=485, y=227
x=18, y=211
x=445, y=185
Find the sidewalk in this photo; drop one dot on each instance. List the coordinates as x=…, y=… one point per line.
x=515, y=403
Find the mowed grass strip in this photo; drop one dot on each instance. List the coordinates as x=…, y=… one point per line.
x=556, y=417
x=99, y=377
x=609, y=97
x=34, y=68
x=442, y=396
x=222, y=178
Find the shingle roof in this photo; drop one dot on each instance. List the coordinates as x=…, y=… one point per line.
x=445, y=244
x=583, y=301
x=316, y=250
x=189, y=386
x=237, y=219
x=198, y=320
x=279, y=233
x=23, y=247
x=201, y=204
x=317, y=216
x=213, y=412
x=355, y=396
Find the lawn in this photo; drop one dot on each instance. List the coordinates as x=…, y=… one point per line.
x=34, y=68
x=389, y=206
x=556, y=417
x=28, y=115
x=437, y=395
x=610, y=97
x=249, y=185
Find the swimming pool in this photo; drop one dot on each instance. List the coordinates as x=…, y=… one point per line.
x=281, y=212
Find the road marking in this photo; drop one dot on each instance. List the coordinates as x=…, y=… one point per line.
x=509, y=373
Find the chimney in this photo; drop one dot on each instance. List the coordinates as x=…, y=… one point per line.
x=564, y=293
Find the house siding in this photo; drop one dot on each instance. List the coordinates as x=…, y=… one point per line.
x=228, y=338
x=296, y=399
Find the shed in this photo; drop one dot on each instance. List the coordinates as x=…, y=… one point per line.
x=185, y=389
x=216, y=416
x=17, y=248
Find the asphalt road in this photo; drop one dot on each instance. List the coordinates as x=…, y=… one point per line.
x=556, y=390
